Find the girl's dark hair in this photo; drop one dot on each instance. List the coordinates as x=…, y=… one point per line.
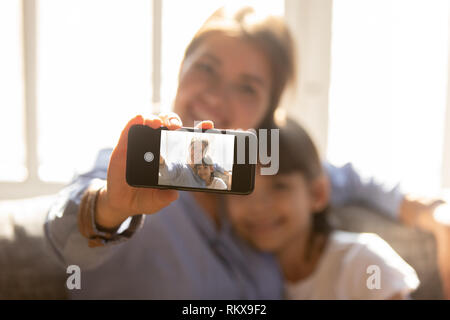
x=297, y=153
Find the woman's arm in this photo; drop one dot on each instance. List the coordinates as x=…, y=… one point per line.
x=95, y=205
x=61, y=226
x=349, y=187
x=169, y=172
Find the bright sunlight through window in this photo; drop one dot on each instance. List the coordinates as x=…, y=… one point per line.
x=388, y=89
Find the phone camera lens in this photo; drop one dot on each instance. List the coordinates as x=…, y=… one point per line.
x=148, y=156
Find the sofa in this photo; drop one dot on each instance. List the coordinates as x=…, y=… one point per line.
x=29, y=271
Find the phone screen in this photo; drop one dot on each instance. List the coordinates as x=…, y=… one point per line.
x=220, y=161
x=196, y=160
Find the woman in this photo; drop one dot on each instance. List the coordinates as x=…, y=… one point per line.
x=183, y=174
x=234, y=72
x=205, y=171
x=317, y=262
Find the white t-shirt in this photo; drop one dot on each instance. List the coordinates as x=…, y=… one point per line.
x=217, y=183
x=355, y=266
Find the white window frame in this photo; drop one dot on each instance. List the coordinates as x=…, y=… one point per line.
x=446, y=151
x=310, y=24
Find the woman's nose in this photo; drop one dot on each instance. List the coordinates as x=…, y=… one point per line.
x=216, y=94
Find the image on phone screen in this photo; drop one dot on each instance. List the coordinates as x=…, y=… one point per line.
x=196, y=160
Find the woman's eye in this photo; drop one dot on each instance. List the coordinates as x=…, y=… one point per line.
x=205, y=67
x=281, y=186
x=248, y=89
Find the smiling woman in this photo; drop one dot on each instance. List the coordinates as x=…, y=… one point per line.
x=225, y=75
x=176, y=39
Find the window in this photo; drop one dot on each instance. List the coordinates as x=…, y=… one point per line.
x=388, y=91
x=80, y=71
x=94, y=73
x=12, y=160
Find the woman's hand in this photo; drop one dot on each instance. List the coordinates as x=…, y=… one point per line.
x=118, y=200
x=432, y=216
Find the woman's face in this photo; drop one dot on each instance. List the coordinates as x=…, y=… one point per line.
x=204, y=172
x=226, y=80
x=278, y=210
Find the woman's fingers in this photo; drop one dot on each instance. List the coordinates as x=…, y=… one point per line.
x=206, y=124
x=153, y=122
x=171, y=120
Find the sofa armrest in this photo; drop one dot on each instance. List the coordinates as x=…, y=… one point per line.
x=416, y=247
x=28, y=268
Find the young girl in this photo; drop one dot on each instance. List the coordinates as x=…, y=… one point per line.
x=205, y=171
x=287, y=215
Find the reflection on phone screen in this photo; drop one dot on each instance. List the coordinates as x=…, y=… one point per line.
x=196, y=160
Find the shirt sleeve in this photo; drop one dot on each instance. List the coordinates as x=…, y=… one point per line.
x=219, y=184
x=350, y=187
x=169, y=172
x=61, y=226
x=372, y=270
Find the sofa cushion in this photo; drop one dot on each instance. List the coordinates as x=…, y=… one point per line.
x=28, y=269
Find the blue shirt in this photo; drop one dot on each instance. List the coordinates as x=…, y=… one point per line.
x=178, y=253
x=179, y=174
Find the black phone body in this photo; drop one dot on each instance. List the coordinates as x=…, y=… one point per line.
x=213, y=160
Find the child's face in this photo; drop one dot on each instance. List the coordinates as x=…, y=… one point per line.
x=204, y=172
x=279, y=209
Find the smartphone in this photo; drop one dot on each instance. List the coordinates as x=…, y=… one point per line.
x=212, y=160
